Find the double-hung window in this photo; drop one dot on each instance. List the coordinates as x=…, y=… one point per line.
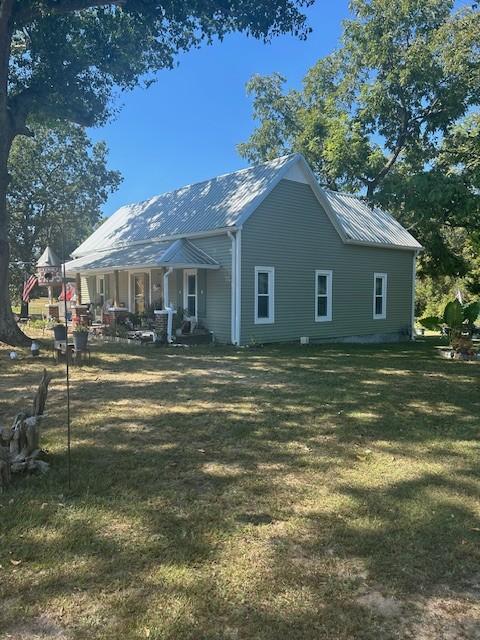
x=323, y=296
x=264, y=295
x=379, y=296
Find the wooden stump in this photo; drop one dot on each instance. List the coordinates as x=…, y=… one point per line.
x=20, y=445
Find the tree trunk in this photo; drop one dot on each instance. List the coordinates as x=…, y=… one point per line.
x=9, y=331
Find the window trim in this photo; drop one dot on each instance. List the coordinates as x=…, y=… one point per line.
x=186, y=295
x=271, y=295
x=329, y=297
x=384, y=277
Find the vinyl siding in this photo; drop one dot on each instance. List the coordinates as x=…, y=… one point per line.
x=157, y=286
x=123, y=288
x=291, y=232
x=88, y=289
x=213, y=287
x=217, y=285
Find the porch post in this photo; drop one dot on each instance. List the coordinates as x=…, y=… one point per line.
x=78, y=287
x=166, y=294
x=116, y=301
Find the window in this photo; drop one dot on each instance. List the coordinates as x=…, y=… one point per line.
x=379, y=296
x=323, y=296
x=264, y=295
x=190, y=292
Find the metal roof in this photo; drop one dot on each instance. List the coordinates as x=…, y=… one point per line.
x=228, y=200
x=180, y=254
x=364, y=224
x=49, y=259
x=213, y=204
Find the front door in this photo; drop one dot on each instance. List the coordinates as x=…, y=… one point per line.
x=139, y=292
x=190, y=293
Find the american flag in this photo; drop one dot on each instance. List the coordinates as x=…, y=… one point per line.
x=27, y=288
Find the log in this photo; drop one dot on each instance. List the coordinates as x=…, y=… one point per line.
x=20, y=446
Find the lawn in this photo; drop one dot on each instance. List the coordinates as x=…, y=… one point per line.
x=326, y=492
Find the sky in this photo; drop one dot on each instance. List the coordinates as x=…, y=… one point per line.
x=185, y=127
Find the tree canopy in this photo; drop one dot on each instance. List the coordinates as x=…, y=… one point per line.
x=68, y=56
x=59, y=181
x=65, y=60
x=391, y=115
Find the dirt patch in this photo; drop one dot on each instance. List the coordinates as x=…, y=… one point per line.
x=41, y=628
x=385, y=606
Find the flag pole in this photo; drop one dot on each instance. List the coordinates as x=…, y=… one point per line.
x=67, y=361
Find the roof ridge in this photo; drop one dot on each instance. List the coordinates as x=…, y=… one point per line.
x=194, y=184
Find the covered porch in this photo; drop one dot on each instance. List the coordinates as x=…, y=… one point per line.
x=134, y=282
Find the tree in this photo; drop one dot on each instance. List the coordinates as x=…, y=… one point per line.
x=389, y=115
x=58, y=182
x=62, y=59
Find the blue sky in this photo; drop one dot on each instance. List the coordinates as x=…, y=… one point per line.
x=186, y=126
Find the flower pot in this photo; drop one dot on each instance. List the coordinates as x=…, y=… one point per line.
x=59, y=332
x=80, y=340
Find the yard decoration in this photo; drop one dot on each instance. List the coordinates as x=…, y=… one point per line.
x=458, y=322
x=20, y=445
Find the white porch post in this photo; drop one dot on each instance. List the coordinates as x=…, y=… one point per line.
x=166, y=293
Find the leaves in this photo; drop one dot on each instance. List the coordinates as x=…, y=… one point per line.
x=453, y=314
x=391, y=113
x=59, y=181
x=471, y=312
x=432, y=323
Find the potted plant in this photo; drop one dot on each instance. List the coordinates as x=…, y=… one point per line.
x=458, y=322
x=59, y=332
x=80, y=338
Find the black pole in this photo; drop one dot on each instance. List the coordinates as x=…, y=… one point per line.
x=24, y=303
x=67, y=360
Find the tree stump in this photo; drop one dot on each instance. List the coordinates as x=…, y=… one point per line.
x=20, y=445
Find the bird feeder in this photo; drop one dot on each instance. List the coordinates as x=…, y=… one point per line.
x=49, y=274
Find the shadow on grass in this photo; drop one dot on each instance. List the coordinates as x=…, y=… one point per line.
x=221, y=493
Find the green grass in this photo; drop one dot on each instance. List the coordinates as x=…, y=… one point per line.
x=36, y=307
x=326, y=492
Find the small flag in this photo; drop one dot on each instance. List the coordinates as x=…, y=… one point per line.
x=27, y=288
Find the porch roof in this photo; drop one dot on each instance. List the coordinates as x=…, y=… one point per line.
x=179, y=254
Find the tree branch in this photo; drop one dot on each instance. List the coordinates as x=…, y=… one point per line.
x=402, y=138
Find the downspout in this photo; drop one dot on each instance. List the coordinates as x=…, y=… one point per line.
x=414, y=282
x=166, y=304
x=238, y=286
x=233, y=294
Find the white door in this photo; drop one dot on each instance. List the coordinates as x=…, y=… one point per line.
x=190, y=293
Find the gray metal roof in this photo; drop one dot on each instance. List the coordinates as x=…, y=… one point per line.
x=362, y=223
x=213, y=204
x=227, y=201
x=180, y=254
x=49, y=259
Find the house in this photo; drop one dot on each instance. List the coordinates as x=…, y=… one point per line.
x=263, y=254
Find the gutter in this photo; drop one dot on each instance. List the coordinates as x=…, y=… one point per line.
x=414, y=282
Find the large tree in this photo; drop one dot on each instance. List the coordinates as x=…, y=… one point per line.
x=58, y=183
x=62, y=59
x=389, y=115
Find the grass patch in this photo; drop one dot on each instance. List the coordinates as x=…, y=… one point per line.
x=318, y=492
